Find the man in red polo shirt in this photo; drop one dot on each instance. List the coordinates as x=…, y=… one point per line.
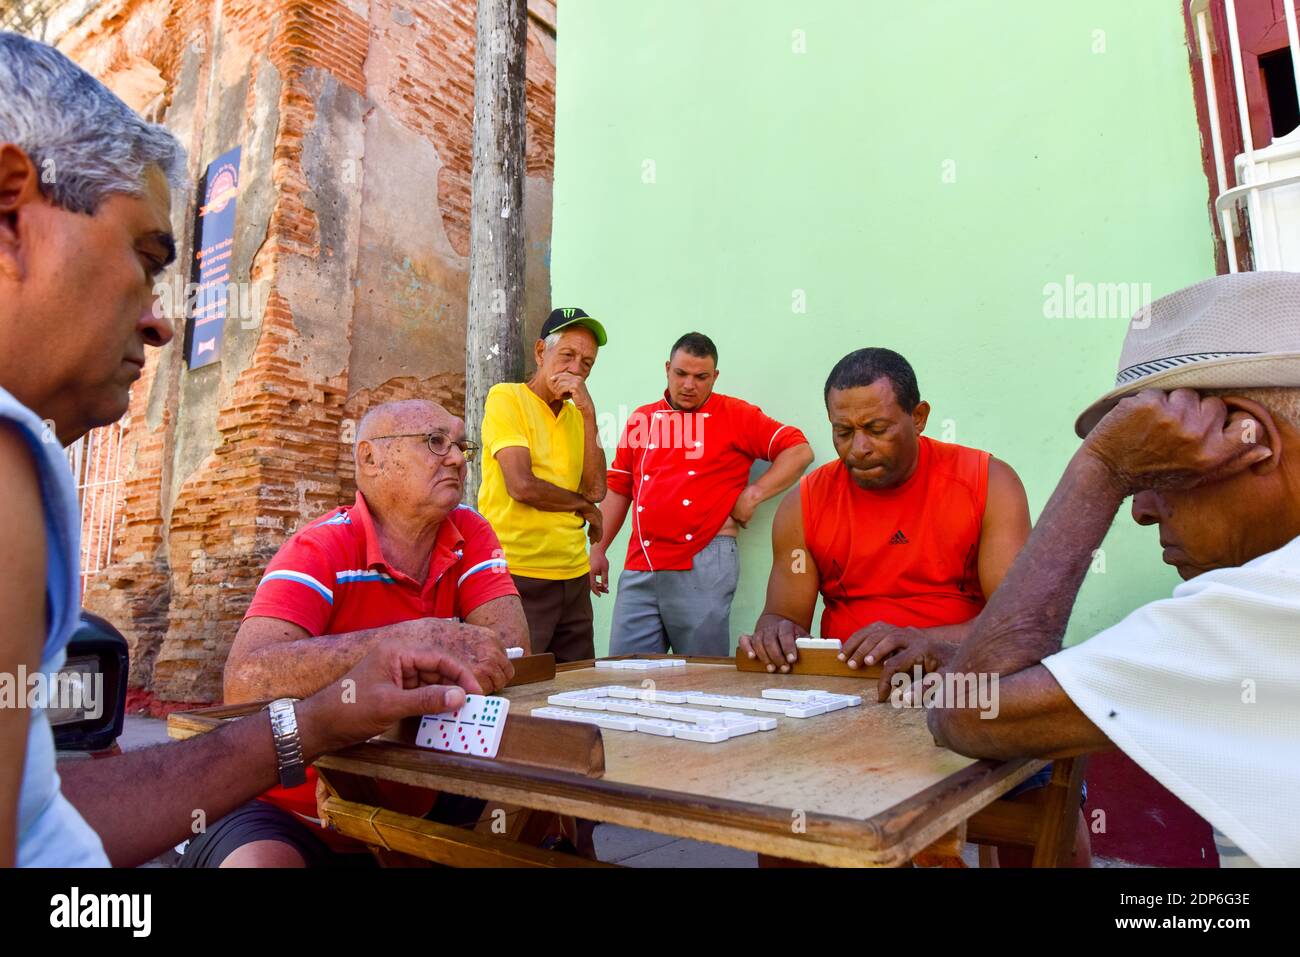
x=683, y=464
x=406, y=558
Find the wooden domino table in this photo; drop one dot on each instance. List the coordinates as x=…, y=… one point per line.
x=862, y=786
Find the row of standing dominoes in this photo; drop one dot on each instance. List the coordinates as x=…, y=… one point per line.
x=712, y=732
x=653, y=708
x=640, y=664
x=571, y=698
x=791, y=704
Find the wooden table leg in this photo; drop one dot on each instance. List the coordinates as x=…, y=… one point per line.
x=1060, y=812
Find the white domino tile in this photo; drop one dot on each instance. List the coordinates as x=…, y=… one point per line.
x=624, y=707
x=640, y=664
x=701, y=732
x=514, y=652
x=613, y=722
x=659, y=727
x=819, y=643
x=805, y=710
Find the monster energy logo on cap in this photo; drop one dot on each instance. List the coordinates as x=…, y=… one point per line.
x=572, y=316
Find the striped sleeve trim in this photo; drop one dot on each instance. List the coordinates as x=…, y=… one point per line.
x=301, y=578
x=773, y=439
x=361, y=575
x=481, y=566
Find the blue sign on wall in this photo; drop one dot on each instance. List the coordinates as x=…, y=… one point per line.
x=212, y=258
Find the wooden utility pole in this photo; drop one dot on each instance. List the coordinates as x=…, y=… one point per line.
x=494, y=348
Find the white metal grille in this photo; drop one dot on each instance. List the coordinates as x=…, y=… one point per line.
x=96, y=460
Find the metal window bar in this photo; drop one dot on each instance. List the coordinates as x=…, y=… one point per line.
x=95, y=460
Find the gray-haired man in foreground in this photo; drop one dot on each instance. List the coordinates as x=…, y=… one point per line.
x=1202, y=689
x=79, y=254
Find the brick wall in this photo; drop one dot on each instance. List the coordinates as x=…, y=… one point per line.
x=221, y=466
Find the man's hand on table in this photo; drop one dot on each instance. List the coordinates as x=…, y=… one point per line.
x=895, y=649
x=476, y=647
x=773, y=642
x=1173, y=440
x=401, y=677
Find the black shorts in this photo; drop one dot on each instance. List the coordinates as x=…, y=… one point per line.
x=259, y=821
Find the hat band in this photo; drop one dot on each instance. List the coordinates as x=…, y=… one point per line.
x=1144, y=369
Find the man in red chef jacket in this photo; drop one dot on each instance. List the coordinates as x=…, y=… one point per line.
x=681, y=472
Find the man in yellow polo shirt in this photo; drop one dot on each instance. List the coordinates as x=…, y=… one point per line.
x=543, y=474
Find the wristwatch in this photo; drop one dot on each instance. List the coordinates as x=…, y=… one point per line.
x=288, y=746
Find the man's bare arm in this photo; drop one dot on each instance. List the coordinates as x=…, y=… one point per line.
x=1152, y=440
x=523, y=486
x=274, y=658
x=504, y=617
x=22, y=619
x=1026, y=617
x=613, y=512
x=785, y=471
x=1035, y=718
x=143, y=802
x=792, y=588
x=1006, y=525
x=592, y=487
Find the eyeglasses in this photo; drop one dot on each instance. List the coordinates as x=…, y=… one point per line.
x=439, y=443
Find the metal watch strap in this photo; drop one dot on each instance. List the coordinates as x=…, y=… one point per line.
x=288, y=746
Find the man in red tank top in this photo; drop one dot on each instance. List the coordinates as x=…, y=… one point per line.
x=904, y=537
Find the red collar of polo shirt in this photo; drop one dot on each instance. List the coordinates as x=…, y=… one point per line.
x=668, y=405
x=446, y=545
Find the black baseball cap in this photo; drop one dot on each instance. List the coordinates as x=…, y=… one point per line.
x=571, y=316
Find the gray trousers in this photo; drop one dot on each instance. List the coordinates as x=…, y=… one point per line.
x=689, y=611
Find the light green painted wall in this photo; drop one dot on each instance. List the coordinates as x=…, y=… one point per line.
x=824, y=172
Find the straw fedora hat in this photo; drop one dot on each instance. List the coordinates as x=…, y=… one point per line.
x=1236, y=331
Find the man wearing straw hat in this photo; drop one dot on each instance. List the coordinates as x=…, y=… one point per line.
x=1202, y=690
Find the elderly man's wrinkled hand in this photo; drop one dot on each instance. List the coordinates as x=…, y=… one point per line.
x=1170, y=440
x=569, y=386
x=479, y=648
